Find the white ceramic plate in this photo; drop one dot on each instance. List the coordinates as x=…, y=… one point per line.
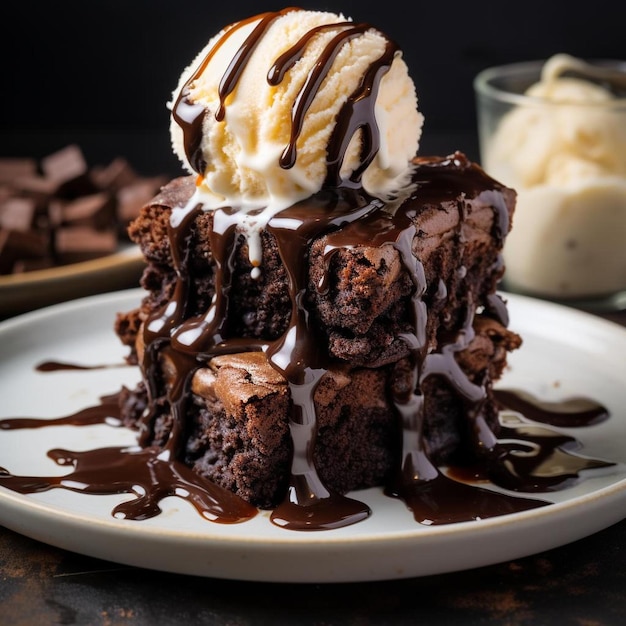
x=39, y=288
x=565, y=353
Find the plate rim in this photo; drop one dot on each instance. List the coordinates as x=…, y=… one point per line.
x=22, y=293
x=128, y=254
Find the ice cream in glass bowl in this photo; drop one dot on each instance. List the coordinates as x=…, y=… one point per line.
x=555, y=130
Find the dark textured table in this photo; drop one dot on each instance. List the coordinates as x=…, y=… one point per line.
x=582, y=584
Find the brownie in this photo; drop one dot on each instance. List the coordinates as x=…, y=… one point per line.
x=239, y=419
x=422, y=269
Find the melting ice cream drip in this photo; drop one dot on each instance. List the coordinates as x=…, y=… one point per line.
x=261, y=160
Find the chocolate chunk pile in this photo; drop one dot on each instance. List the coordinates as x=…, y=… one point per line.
x=60, y=211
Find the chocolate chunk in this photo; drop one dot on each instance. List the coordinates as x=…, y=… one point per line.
x=95, y=210
x=36, y=186
x=12, y=168
x=17, y=214
x=68, y=168
x=81, y=243
x=118, y=173
x=65, y=164
x=15, y=244
x=61, y=211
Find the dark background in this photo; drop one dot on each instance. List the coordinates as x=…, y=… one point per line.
x=100, y=73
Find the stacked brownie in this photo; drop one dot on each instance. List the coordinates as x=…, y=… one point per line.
x=398, y=303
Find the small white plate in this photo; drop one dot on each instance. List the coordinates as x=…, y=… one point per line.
x=33, y=290
x=565, y=353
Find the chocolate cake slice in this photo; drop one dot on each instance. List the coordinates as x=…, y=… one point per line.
x=372, y=334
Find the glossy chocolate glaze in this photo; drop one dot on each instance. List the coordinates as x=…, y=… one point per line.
x=458, y=496
x=576, y=412
x=57, y=366
x=107, y=412
x=348, y=218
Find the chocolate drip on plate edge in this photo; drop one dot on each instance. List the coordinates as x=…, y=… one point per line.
x=151, y=476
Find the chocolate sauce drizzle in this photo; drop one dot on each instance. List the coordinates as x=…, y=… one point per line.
x=349, y=218
x=356, y=114
x=151, y=476
x=190, y=115
x=57, y=366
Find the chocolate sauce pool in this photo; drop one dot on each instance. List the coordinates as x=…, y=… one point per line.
x=151, y=476
x=348, y=217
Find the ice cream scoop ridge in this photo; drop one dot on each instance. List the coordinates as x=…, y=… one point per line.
x=284, y=104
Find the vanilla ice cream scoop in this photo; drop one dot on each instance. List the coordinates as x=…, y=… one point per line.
x=283, y=104
x=565, y=129
x=562, y=146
